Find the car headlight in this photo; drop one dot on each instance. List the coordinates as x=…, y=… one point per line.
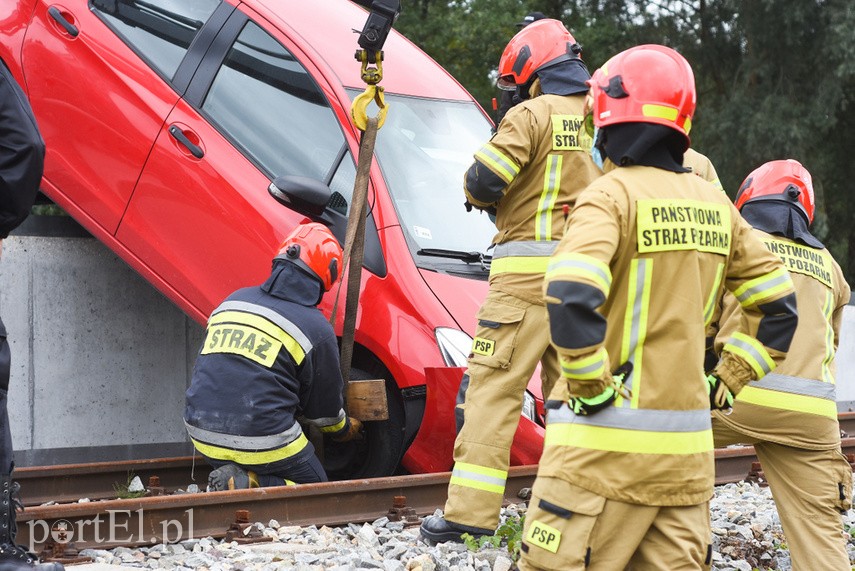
x=529, y=408
x=454, y=345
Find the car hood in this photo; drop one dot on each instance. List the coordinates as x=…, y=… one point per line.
x=460, y=296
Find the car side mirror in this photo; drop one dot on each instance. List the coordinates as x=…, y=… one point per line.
x=305, y=195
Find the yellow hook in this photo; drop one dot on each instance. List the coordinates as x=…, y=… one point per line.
x=359, y=107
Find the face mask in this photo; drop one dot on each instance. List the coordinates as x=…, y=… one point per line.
x=596, y=154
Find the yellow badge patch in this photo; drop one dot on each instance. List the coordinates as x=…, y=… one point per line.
x=483, y=346
x=803, y=260
x=679, y=224
x=568, y=134
x=241, y=340
x=544, y=536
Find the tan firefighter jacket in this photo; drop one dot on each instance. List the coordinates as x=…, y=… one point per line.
x=636, y=278
x=796, y=405
x=537, y=162
x=701, y=166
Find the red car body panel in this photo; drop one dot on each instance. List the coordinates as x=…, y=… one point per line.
x=199, y=228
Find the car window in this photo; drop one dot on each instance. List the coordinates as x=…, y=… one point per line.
x=269, y=105
x=160, y=31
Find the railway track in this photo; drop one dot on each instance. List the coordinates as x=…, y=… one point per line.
x=105, y=522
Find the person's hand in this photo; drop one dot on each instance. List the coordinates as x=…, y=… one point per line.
x=720, y=396
x=353, y=432
x=587, y=406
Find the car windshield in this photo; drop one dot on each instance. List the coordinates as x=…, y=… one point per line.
x=424, y=148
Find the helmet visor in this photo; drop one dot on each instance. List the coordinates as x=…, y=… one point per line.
x=506, y=83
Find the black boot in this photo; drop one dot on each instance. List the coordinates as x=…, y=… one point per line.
x=15, y=557
x=437, y=529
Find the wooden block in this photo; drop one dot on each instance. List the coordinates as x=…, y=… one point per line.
x=366, y=400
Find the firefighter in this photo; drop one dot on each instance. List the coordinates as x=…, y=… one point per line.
x=270, y=357
x=628, y=469
x=526, y=175
x=790, y=416
x=22, y=153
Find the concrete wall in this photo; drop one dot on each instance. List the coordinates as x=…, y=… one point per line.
x=99, y=357
x=846, y=361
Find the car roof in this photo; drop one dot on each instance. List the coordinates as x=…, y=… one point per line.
x=328, y=26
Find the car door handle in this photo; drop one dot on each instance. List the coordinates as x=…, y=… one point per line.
x=62, y=21
x=179, y=136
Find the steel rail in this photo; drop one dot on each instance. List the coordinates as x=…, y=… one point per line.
x=154, y=519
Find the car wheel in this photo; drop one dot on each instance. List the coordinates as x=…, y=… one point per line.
x=381, y=447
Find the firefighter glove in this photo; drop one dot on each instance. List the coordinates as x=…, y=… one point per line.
x=587, y=406
x=353, y=431
x=720, y=396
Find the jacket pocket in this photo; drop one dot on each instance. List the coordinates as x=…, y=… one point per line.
x=496, y=335
x=559, y=524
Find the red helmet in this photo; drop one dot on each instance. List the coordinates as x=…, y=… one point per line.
x=313, y=247
x=785, y=180
x=540, y=44
x=645, y=84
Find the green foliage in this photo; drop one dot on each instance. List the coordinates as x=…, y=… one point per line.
x=775, y=78
x=508, y=535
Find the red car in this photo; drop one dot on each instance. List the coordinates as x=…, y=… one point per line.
x=172, y=127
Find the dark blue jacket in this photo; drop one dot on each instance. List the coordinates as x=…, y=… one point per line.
x=269, y=356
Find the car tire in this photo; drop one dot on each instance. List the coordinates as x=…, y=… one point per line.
x=382, y=445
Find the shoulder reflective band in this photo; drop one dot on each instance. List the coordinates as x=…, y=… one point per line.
x=551, y=187
x=635, y=326
x=568, y=134
x=543, y=536
x=679, y=224
x=632, y=430
x=329, y=424
x=752, y=351
x=523, y=257
x=575, y=266
x=803, y=260
x=244, y=442
x=497, y=162
x=477, y=477
x=591, y=367
x=760, y=290
x=830, y=349
x=712, y=300
x=267, y=313
x=791, y=393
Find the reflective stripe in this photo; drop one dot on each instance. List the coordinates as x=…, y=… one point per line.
x=752, y=351
x=252, y=458
x=479, y=477
x=591, y=367
x=796, y=386
x=759, y=290
x=828, y=358
x=635, y=325
x=331, y=423
x=712, y=300
x=551, y=186
x=789, y=401
x=263, y=325
x=580, y=266
x=634, y=431
x=522, y=257
x=244, y=442
x=270, y=315
x=501, y=165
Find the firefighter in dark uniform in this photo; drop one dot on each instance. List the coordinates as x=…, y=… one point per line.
x=533, y=168
x=627, y=469
x=22, y=153
x=270, y=357
x=790, y=416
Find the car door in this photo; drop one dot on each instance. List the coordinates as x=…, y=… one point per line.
x=99, y=79
x=201, y=216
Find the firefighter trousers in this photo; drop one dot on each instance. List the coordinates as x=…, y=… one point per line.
x=512, y=337
x=569, y=528
x=811, y=489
